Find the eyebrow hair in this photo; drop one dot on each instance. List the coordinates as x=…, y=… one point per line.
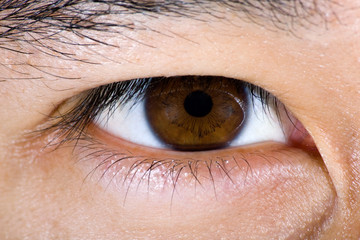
x=32, y=21
x=28, y=26
x=37, y=16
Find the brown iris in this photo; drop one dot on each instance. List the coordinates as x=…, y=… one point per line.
x=196, y=113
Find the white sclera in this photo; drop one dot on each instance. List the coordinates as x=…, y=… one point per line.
x=130, y=123
x=262, y=125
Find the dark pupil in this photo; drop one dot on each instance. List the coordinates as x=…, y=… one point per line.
x=198, y=104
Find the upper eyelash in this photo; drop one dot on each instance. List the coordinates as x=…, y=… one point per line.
x=71, y=124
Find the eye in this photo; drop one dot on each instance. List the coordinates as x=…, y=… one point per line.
x=166, y=135
x=196, y=113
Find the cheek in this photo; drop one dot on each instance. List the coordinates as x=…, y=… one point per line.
x=45, y=198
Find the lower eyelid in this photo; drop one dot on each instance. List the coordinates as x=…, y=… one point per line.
x=221, y=173
x=257, y=184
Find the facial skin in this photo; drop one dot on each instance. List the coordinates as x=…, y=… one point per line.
x=313, y=69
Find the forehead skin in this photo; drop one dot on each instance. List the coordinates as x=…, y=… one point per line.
x=321, y=62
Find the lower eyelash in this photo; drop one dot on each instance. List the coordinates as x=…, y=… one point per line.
x=90, y=149
x=129, y=172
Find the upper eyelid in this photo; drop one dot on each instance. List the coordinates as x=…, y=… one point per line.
x=51, y=44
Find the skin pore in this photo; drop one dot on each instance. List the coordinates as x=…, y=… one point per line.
x=306, y=53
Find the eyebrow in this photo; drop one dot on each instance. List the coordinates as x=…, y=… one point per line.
x=37, y=16
x=37, y=25
x=33, y=21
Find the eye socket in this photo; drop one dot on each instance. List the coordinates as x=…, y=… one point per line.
x=196, y=113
